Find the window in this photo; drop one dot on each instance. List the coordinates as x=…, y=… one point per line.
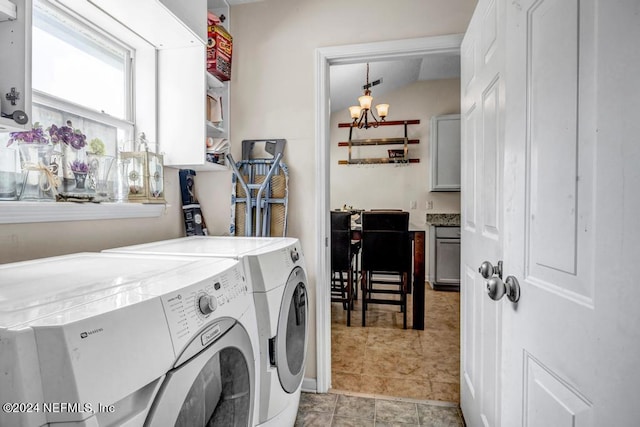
x=81, y=74
x=84, y=65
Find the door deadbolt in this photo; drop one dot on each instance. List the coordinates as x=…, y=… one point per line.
x=487, y=269
x=496, y=288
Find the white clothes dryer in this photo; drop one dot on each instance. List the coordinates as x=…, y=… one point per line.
x=127, y=340
x=277, y=275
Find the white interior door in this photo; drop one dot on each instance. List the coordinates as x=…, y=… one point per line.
x=482, y=115
x=571, y=230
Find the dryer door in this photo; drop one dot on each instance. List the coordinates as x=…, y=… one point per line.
x=215, y=387
x=291, y=340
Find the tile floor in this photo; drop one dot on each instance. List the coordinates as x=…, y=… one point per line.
x=333, y=409
x=383, y=360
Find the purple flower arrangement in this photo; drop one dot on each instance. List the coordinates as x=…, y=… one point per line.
x=67, y=135
x=34, y=136
x=78, y=166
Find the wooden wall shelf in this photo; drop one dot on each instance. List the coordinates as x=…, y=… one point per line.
x=404, y=141
x=389, y=123
x=373, y=161
x=346, y=143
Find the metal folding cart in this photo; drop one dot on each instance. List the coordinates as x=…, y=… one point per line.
x=259, y=191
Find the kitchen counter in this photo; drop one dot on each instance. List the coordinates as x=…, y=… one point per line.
x=443, y=219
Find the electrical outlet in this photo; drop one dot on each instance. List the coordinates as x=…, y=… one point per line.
x=414, y=204
x=429, y=205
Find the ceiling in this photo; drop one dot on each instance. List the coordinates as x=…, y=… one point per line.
x=346, y=81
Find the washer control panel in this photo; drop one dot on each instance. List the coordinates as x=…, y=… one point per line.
x=190, y=309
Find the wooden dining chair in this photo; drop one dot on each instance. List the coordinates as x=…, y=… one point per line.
x=343, y=255
x=386, y=260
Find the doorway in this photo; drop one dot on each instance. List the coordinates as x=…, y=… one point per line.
x=326, y=57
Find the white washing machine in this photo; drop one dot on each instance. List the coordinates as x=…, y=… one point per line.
x=127, y=340
x=278, y=278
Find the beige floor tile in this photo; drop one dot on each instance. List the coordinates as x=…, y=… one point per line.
x=445, y=391
x=418, y=388
x=384, y=359
x=346, y=381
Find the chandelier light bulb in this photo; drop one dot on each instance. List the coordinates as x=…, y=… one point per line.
x=383, y=110
x=355, y=111
x=365, y=101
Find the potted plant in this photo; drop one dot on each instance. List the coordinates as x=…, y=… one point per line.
x=39, y=173
x=73, y=138
x=80, y=170
x=72, y=144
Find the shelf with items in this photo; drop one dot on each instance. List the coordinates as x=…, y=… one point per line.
x=395, y=156
x=218, y=74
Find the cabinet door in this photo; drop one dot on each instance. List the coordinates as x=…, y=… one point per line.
x=447, y=261
x=15, y=66
x=445, y=153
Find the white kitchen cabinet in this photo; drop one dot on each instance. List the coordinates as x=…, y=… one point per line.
x=15, y=65
x=184, y=85
x=444, y=257
x=445, y=153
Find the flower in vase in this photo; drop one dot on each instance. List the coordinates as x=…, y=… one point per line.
x=96, y=146
x=34, y=136
x=79, y=166
x=67, y=135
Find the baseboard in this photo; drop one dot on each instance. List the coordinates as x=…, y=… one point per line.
x=309, y=385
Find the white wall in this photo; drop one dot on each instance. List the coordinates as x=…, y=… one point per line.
x=388, y=185
x=273, y=90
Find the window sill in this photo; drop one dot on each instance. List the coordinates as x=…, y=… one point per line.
x=27, y=212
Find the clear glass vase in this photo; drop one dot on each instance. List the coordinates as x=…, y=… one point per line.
x=121, y=187
x=99, y=172
x=39, y=182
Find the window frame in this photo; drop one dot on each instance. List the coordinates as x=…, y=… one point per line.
x=46, y=99
x=142, y=116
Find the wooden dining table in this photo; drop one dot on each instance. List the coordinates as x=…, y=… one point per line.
x=416, y=286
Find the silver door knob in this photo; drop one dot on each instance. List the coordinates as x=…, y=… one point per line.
x=487, y=269
x=496, y=288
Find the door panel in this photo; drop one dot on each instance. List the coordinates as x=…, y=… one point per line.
x=551, y=205
x=551, y=401
x=482, y=141
x=557, y=147
x=491, y=164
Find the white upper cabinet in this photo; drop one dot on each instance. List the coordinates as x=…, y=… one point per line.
x=15, y=65
x=445, y=153
x=192, y=13
x=165, y=24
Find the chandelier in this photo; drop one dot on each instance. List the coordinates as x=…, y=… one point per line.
x=360, y=114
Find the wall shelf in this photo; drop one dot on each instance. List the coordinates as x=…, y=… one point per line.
x=404, y=141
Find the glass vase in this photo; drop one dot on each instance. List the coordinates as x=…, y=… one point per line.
x=9, y=177
x=121, y=188
x=39, y=182
x=69, y=155
x=99, y=172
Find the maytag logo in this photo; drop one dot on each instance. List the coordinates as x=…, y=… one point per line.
x=86, y=334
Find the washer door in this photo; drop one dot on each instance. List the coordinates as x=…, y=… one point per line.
x=291, y=340
x=215, y=387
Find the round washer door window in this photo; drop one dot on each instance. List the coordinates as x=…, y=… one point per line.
x=291, y=345
x=215, y=387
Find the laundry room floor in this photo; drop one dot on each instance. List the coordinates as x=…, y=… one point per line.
x=332, y=409
x=383, y=360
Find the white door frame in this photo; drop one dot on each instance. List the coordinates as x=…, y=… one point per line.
x=325, y=57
